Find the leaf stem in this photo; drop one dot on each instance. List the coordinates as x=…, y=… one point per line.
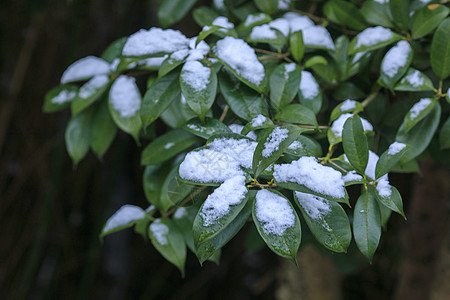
x=186, y=200
x=370, y=98
x=337, y=166
x=224, y=113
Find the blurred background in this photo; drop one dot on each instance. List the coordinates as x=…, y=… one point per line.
x=51, y=214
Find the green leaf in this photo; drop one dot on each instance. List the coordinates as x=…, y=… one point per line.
x=340, y=54
x=199, y=86
x=309, y=92
x=278, y=42
x=390, y=71
x=390, y=158
x=293, y=186
x=444, y=135
x=169, y=241
x=259, y=88
x=152, y=181
x=377, y=13
x=103, y=130
x=124, y=217
x=243, y=101
x=277, y=223
x=159, y=96
x=267, y=6
x=171, y=63
x=173, y=191
x=393, y=202
x=114, y=50
x=124, y=104
x=414, y=81
x=345, y=107
x=327, y=221
x=251, y=21
x=284, y=82
x=315, y=60
x=440, y=50
x=208, y=129
x=304, y=146
x=297, y=46
x=271, y=145
x=257, y=123
x=89, y=93
x=419, y=111
x=344, y=13
x=367, y=224
x=59, y=97
x=204, y=16
x=355, y=143
x=400, y=13
x=172, y=11
x=167, y=146
x=205, y=33
x=209, y=237
x=362, y=45
x=78, y=135
x=183, y=218
x=427, y=19
x=328, y=72
x=297, y=114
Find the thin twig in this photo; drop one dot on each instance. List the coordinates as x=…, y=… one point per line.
x=370, y=98
x=337, y=166
x=304, y=126
x=186, y=200
x=224, y=113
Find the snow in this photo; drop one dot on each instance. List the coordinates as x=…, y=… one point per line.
x=273, y=212
x=419, y=107
x=371, y=164
x=180, y=213
x=308, y=86
x=297, y=22
x=351, y=176
x=308, y=172
x=197, y=52
x=236, y=128
x=396, y=58
x=160, y=231
x=373, y=35
x=295, y=145
x=125, y=97
x=208, y=166
x=288, y=68
x=348, y=105
x=281, y=25
x=263, y=32
x=223, y=22
x=153, y=61
x=284, y=4
x=395, y=148
x=273, y=141
x=317, y=36
x=219, y=203
x=124, y=216
x=169, y=145
x=358, y=56
x=63, y=97
x=415, y=79
x=240, y=150
x=196, y=75
x=153, y=41
x=241, y=58
x=179, y=55
x=258, y=120
x=338, y=125
x=85, y=68
x=316, y=207
x=383, y=187
x=381, y=1
x=252, y=19
x=92, y=86
x=219, y=4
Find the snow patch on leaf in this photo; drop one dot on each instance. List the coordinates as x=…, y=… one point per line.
x=125, y=97
x=63, y=97
x=372, y=36
x=196, y=75
x=85, y=68
x=396, y=58
x=419, y=107
x=125, y=215
x=308, y=86
x=239, y=149
x=258, y=120
x=92, y=86
x=395, y=148
x=273, y=141
x=160, y=231
x=338, y=125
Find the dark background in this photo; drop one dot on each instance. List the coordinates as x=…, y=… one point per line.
x=51, y=214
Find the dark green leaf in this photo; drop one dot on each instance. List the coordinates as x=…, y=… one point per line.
x=114, y=50
x=183, y=218
x=440, y=50
x=271, y=145
x=344, y=13
x=360, y=43
x=124, y=217
x=166, y=146
x=367, y=224
x=327, y=221
x=389, y=159
x=159, y=96
x=173, y=191
x=419, y=111
x=355, y=143
x=170, y=64
x=59, y=97
x=390, y=71
x=199, y=91
x=172, y=11
x=89, y=93
x=267, y=6
x=259, y=122
x=297, y=114
x=169, y=241
x=345, y=107
x=304, y=146
x=205, y=33
x=277, y=223
x=414, y=81
x=393, y=201
x=78, y=135
x=206, y=130
x=377, y=13
x=103, y=130
x=204, y=16
x=315, y=60
x=444, y=135
x=400, y=13
x=284, y=82
x=297, y=45
x=152, y=181
x=427, y=19
x=252, y=21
